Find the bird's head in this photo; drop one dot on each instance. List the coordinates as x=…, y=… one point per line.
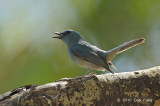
x=69, y=36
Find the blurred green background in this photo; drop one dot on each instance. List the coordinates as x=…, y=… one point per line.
x=29, y=54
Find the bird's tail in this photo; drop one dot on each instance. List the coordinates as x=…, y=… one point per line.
x=111, y=53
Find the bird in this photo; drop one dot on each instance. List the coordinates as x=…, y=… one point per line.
x=90, y=56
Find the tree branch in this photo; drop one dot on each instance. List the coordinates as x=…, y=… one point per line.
x=128, y=88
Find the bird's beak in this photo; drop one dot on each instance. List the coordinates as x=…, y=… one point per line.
x=59, y=35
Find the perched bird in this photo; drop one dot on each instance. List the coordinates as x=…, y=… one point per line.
x=89, y=56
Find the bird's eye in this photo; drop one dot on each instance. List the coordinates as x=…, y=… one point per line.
x=67, y=32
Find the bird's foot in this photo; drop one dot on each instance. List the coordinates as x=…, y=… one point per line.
x=92, y=74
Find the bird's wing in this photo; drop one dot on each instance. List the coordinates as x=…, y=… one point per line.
x=84, y=52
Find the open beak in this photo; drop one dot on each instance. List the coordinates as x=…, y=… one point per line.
x=59, y=35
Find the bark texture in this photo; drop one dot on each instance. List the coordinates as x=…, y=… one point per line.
x=129, y=88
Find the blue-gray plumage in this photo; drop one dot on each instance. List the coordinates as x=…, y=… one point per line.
x=91, y=57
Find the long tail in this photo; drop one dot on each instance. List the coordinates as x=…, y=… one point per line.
x=111, y=53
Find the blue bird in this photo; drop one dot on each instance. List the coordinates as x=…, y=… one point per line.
x=89, y=56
